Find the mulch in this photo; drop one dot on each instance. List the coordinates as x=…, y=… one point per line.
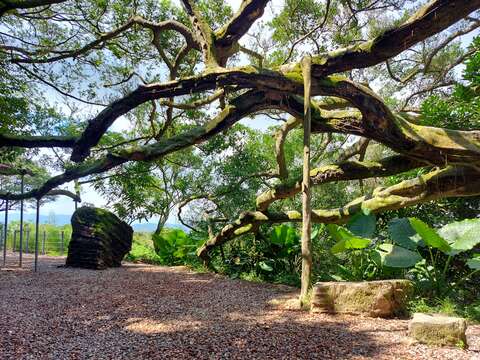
x=142, y=311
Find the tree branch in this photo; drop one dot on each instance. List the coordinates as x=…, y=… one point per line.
x=240, y=23
x=444, y=183
x=238, y=108
x=429, y=20
x=8, y=5
x=27, y=141
x=347, y=170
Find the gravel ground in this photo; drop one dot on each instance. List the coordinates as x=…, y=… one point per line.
x=153, y=312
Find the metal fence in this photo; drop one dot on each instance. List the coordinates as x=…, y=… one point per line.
x=49, y=243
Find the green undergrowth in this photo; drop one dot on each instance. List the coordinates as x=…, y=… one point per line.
x=447, y=306
x=142, y=250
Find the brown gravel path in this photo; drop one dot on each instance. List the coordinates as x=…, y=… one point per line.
x=152, y=312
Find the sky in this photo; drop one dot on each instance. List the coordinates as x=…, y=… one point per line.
x=65, y=205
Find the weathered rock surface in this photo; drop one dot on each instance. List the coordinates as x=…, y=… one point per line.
x=438, y=329
x=99, y=239
x=382, y=298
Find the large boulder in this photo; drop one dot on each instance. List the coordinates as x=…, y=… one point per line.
x=99, y=239
x=382, y=298
x=437, y=329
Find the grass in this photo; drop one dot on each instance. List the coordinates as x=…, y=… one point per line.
x=447, y=306
x=142, y=250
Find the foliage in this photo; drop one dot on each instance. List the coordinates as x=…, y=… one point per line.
x=175, y=247
x=436, y=259
x=448, y=306
x=361, y=257
x=462, y=109
x=142, y=250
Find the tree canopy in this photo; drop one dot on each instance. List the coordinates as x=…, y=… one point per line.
x=394, y=90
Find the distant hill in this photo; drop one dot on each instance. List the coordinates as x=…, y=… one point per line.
x=151, y=227
x=62, y=219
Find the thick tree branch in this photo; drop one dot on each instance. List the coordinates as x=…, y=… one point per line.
x=240, y=23
x=348, y=170
x=57, y=192
x=448, y=182
x=27, y=141
x=281, y=136
x=202, y=33
x=429, y=20
x=9, y=5
x=238, y=108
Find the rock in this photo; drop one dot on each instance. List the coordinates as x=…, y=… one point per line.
x=382, y=298
x=99, y=239
x=438, y=329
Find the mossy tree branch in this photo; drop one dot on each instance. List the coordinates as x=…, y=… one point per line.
x=242, y=106
x=429, y=20
x=442, y=183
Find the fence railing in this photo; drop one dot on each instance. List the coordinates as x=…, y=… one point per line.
x=49, y=243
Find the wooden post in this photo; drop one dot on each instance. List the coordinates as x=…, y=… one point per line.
x=61, y=244
x=21, y=224
x=37, y=220
x=5, y=234
x=306, y=195
x=43, y=242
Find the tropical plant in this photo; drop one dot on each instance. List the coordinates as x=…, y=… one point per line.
x=413, y=245
x=174, y=246
x=435, y=251
x=362, y=256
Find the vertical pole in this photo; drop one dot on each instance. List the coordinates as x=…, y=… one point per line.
x=306, y=195
x=61, y=244
x=36, y=233
x=21, y=224
x=27, y=239
x=5, y=234
x=43, y=243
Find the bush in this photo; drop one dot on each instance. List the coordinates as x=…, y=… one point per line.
x=175, y=247
x=142, y=250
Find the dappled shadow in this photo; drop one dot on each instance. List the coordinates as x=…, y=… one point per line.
x=157, y=312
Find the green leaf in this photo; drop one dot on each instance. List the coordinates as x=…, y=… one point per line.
x=474, y=263
x=362, y=225
x=283, y=235
x=397, y=256
x=345, y=239
x=402, y=233
x=462, y=235
x=430, y=236
x=264, y=266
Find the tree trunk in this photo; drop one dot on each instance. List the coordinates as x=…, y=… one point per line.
x=161, y=223
x=306, y=196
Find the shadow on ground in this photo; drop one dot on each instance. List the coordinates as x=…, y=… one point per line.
x=142, y=311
